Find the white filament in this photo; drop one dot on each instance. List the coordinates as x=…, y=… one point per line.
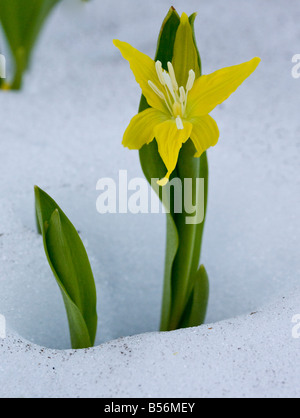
x=156, y=90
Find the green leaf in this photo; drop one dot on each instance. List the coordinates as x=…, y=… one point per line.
x=22, y=22
x=70, y=265
x=196, y=307
x=192, y=19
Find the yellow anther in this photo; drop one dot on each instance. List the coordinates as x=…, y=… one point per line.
x=179, y=123
x=191, y=80
x=159, y=71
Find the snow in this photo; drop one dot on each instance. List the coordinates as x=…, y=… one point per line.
x=63, y=132
x=249, y=356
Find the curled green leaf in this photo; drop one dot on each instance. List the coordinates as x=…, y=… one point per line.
x=196, y=307
x=70, y=265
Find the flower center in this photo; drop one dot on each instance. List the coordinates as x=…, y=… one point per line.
x=175, y=97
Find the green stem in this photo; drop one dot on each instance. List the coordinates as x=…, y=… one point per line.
x=187, y=259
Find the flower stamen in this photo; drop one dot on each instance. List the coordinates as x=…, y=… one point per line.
x=159, y=71
x=156, y=90
x=191, y=80
x=172, y=76
x=182, y=98
x=168, y=82
x=175, y=97
x=179, y=123
x=182, y=95
x=160, y=94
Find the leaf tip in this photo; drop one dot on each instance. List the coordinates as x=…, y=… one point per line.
x=36, y=193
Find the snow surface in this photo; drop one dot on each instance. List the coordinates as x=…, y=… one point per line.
x=63, y=133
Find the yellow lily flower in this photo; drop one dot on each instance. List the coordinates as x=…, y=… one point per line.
x=177, y=112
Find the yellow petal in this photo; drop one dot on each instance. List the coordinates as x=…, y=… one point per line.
x=143, y=68
x=211, y=90
x=185, y=57
x=141, y=128
x=170, y=139
x=205, y=133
